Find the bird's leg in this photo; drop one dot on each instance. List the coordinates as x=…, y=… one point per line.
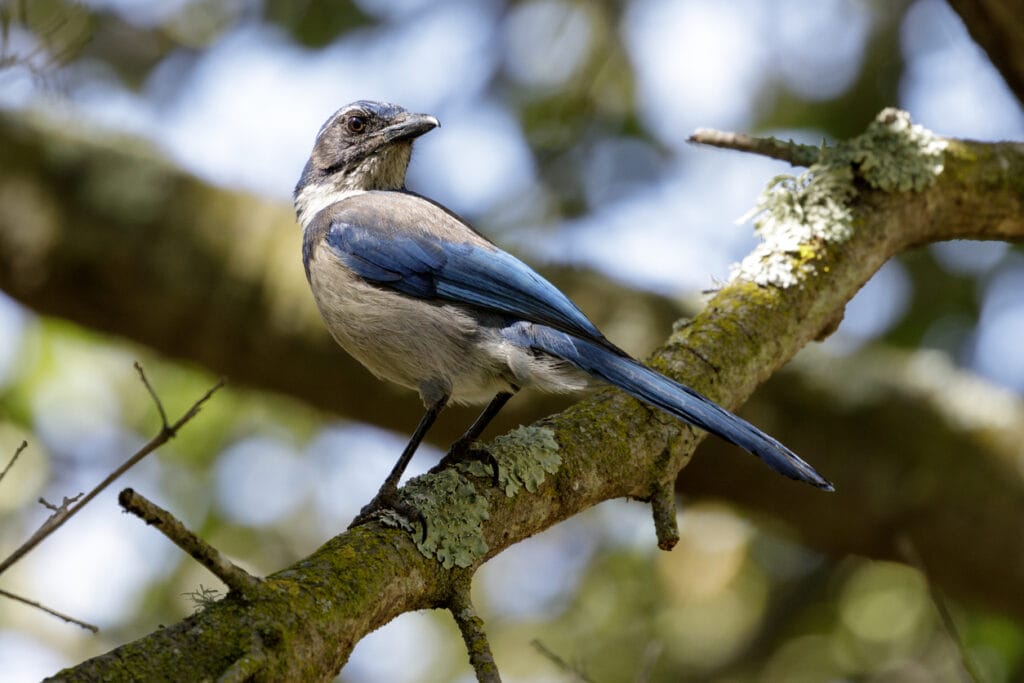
x=387, y=496
x=463, y=444
x=462, y=449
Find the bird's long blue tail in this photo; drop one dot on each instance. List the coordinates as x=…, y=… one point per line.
x=674, y=398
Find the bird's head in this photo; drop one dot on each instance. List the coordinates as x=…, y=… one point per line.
x=363, y=146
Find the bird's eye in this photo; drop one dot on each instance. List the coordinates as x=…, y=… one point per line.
x=356, y=124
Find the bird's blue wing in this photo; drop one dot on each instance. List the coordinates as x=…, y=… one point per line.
x=421, y=265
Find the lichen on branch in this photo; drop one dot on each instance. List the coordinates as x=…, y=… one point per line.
x=454, y=510
x=799, y=216
x=525, y=456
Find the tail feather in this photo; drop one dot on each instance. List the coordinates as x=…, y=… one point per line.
x=674, y=398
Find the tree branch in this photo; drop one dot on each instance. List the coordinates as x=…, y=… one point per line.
x=60, y=615
x=998, y=27
x=792, y=152
x=471, y=626
x=371, y=574
x=235, y=577
x=71, y=506
x=14, y=459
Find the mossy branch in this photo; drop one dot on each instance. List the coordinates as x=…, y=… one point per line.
x=608, y=446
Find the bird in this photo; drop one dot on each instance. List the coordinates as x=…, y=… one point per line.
x=423, y=300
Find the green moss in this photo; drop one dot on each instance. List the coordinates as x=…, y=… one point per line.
x=525, y=456
x=799, y=216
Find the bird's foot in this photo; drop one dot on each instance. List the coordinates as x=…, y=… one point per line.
x=463, y=452
x=389, y=500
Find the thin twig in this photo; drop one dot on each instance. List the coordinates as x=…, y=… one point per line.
x=61, y=509
x=795, y=153
x=57, y=519
x=59, y=615
x=559, y=662
x=913, y=557
x=472, y=628
x=205, y=554
x=14, y=458
x=152, y=393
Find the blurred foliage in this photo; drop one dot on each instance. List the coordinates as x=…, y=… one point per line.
x=953, y=297
x=732, y=603
x=314, y=23
x=61, y=29
x=875, y=87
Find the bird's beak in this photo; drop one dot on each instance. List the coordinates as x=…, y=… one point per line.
x=409, y=126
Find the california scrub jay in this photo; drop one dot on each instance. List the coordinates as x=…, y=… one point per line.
x=421, y=299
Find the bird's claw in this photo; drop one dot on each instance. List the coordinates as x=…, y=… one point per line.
x=461, y=452
x=389, y=500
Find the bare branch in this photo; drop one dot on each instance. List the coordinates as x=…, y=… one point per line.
x=795, y=153
x=205, y=554
x=63, y=513
x=152, y=393
x=60, y=514
x=59, y=615
x=62, y=508
x=14, y=458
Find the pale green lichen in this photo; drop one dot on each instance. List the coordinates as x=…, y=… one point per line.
x=793, y=213
x=797, y=216
x=454, y=512
x=453, y=508
x=525, y=456
x=895, y=155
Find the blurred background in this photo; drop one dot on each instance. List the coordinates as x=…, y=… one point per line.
x=147, y=156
